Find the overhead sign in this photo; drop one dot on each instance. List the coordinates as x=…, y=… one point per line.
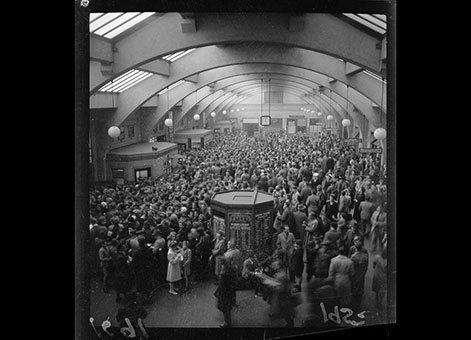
x=352, y=141
x=370, y=150
x=265, y=120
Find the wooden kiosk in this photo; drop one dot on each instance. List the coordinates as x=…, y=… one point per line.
x=246, y=216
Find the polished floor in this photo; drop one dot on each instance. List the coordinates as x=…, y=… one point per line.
x=196, y=308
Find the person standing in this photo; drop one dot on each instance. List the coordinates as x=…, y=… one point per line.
x=285, y=246
x=218, y=253
x=341, y=272
x=123, y=273
x=366, y=209
x=142, y=265
x=226, y=292
x=159, y=249
x=360, y=265
x=378, y=226
x=173, y=272
x=333, y=235
x=186, y=263
x=379, y=283
x=105, y=263
x=331, y=208
x=300, y=218
x=297, y=265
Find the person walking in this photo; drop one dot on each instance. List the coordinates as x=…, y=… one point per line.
x=341, y=272
x=359, y=258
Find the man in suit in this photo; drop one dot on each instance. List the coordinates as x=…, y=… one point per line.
x=333, y=234
x=287, y=217
x=285, y=244
x=300, y=218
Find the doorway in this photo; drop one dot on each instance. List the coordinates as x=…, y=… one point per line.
x=140, y=174
x=291, y=123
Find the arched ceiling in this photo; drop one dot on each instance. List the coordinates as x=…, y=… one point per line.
x=233, y=49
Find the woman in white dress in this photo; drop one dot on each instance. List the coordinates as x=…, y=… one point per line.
x=174, y=272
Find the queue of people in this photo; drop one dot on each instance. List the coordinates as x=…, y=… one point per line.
x=328, y=199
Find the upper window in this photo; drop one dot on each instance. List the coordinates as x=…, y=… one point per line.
x=109, y=25
x=375, y=22
x=125, y=81
x=175, y=56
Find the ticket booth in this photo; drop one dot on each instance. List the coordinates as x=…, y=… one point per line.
x=246, y=216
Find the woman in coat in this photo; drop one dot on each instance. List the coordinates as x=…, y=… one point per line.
x=341, y=272
x=173, y=271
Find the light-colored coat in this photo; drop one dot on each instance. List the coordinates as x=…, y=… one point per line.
x=341, y=271
x=218, y=253
x=173, y=271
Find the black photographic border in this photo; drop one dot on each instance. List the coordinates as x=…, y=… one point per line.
x=82, y=275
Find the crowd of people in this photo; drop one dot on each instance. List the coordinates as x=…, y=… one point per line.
x=327, y=199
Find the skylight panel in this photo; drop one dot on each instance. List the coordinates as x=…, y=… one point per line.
x=118, y=81
x=141, y=78
x=371, y=74
x=94, y=16
x=125, y=81
x=137, y=75
x=381, y=17
x=103, y=21
x=134, y=21
x=365, y=23
x=110, y=26
x=373, y=20
x=178, y=55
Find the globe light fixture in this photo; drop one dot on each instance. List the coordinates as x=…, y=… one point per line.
x=330, y=117
x=237, y=110
x=232, y=110
x=168, y=122
x=213, y=114
x=196, y=117
x=346, y=122
x=319, y=113
x=224, y=112
x=114, y=132
x=380, y=133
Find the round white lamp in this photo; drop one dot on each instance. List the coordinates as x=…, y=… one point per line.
x=196, y=117
x=168, y=122
x=346, y=122
x=114, y=132
x=380, y=133
x=232, y=110
x=224, y=112
x=330, y=117
x=213, y=114
x=319, y=113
